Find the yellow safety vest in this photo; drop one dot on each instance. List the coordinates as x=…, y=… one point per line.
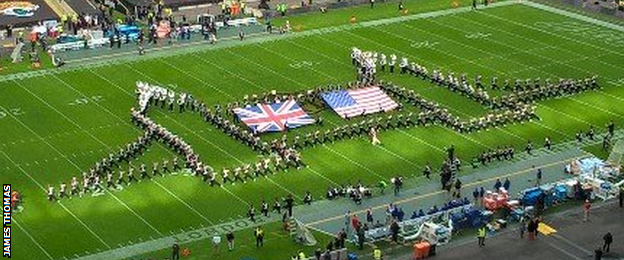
x=481, y=232
x=377, y=254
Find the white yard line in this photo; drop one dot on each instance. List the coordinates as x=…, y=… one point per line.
x=325, y=146
x=564, y=63
x=528, y=66
x=344, y=64
x=389, y=152
x=184, y=126
x=268, y=69
x=32, y=239
x=567, y=115
x=183, y=202
x=353, y=162
x=132, y=55
x=293, y=60
x=54, y=136
x=446, y=128
x=63, y=206
x=323, y=176
x=551, y=33
x=250, y=82
x=493, y=54
x=235, y=196
x=168, y=150
x=458, y=111
x=206, y=140
x=74, y=164
x=196, y=78
x=398, y=156
x=299, y=83
x=574, y=15
x=84, y=225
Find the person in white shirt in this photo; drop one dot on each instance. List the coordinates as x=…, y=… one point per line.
x=373, y=133
x=216, y=241
x=63, y=190
x=383, y=62
x=392, y=62
x=51, y=196
x=403, y=65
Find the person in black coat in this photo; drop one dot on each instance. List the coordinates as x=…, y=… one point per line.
x=394, y=230
x=175, y=254
x=608, y=239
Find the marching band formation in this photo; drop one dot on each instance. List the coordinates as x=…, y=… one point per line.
x=283, y=154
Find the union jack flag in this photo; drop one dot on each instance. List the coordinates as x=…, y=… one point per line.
x=274, y=117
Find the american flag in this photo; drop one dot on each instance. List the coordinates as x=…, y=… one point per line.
x=349, y=103
x=274, y=117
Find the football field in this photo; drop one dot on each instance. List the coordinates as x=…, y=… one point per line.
x=56, y=125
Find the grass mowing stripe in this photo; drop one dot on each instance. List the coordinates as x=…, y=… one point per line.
x=96, y=139
x=32, y=238
x=130, y=94
x=183, y=202
x=251, y=40
x=352, y=161
x=528, y=66
x=418, y=138
x=490, y=53
x=211, y=143
x=559, y=48
x=551, y=33
x=333, y=151
x=574, y=15
x=44, y=190
x=564, y=63
x=292, y=60
x=252, y=83
x=53, y=136
x=526, y=130
x=384, y=149
x=464, y=136
x=185, y=127
x=566, y=115
x=198, y=79
x=85, y=225
x=597, y=108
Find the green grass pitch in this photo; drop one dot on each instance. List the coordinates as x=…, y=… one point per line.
x=53, y=127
